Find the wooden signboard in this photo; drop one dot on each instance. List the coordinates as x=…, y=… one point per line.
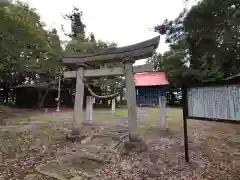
x=217, y=103
x=213, y=101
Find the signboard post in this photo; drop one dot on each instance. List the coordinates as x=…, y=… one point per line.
x=212, y=101
x=185, y=110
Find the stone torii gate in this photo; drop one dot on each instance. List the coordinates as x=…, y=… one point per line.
x=109, y=62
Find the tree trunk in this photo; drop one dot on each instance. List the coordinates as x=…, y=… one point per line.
x=40, y=103
x=171, y=98
x=121, y=98
x=5, y=92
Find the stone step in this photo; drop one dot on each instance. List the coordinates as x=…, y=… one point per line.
x=84, y=165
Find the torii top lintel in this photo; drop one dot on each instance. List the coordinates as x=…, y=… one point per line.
x=137, y=51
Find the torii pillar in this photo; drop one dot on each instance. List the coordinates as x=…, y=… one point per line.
x=79, y=95
x=131, y=100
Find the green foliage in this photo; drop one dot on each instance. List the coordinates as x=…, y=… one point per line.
x=204, y=42
x=26, y=48
x=80, y=42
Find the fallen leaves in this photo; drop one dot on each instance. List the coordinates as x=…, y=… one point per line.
x=214, y=152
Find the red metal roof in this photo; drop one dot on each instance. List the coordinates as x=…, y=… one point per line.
x=150, y=79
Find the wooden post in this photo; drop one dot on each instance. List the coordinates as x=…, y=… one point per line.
x=113, y=106
x=131, y=101
x=185, y=114
x=78, y=103
x=59, y=93
x=89, y=109
x=162, y=105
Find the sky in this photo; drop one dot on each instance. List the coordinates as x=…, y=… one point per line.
x=124, y=22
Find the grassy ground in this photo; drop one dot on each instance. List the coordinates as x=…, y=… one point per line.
x=29, y=139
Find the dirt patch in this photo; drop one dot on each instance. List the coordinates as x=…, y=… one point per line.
x=213, y=147
x=87, y=157
x=7, y=113
x=27, y=143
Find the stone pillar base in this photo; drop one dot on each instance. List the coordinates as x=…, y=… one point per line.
x=133, y=146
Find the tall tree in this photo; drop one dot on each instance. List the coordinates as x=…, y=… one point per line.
x=27, y=50
x=24, y=42
x=208, y=34
x=80, y=42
